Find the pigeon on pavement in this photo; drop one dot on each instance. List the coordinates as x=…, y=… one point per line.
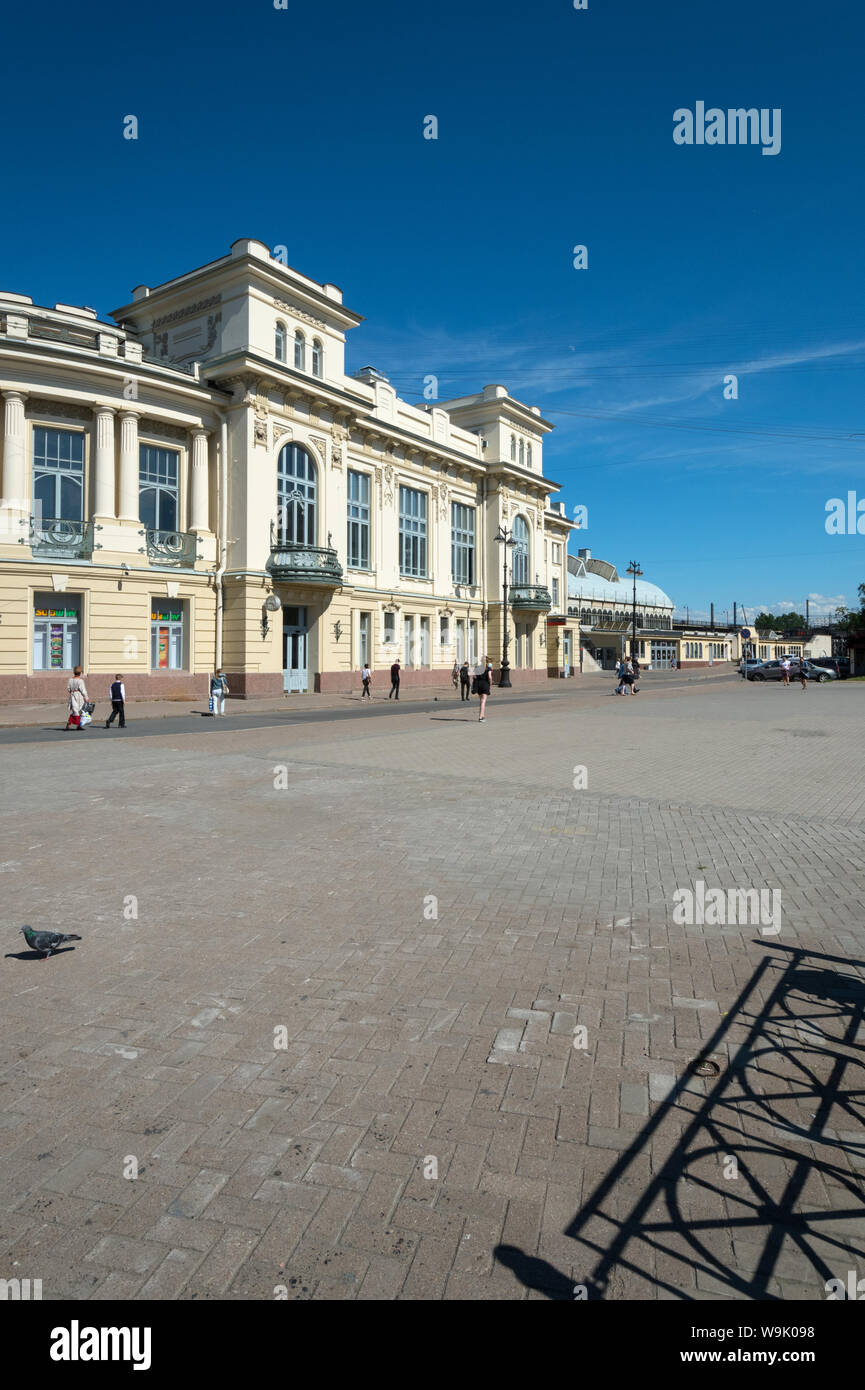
x=45, y=941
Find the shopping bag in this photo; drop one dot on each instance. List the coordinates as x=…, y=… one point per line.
x=85, y=719
x=211, y=704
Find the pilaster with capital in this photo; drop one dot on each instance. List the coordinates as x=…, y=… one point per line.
x=129, y=471
x=103, y=469
x=199, y=483
x=14, y=503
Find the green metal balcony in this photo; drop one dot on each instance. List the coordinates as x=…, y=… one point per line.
x=530, y=598
x=179, y=549
x=294, y=563
x=57, y=538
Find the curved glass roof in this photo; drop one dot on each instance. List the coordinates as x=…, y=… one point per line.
x=593, y=587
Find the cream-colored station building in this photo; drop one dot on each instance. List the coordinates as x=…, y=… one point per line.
x=198, y=484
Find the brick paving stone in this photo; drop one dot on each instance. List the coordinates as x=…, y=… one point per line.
x=410, y=1039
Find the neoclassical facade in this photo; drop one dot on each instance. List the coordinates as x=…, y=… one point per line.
x=198, y=483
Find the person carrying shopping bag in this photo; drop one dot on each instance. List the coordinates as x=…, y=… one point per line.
x=218, y=692
x=78, y=699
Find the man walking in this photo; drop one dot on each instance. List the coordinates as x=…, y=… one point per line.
x=118, y=703
x=465, y=681
x=394, y=679
x=803, y=673
x=366, y=677
x=785, y=668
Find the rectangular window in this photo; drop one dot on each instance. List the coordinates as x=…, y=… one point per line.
x=364, y=629
x=424, y=642
x=413, y=533
x=408, y=642
x=58, y=475
x=158, y=472
x=444, y=633
x=473, y=643
x=462, y=543
x=556, y=594
x=358, y=520
x=557, y=554
x=461, y=640
x=56, y=632
x=166, y=637
x=390, y=629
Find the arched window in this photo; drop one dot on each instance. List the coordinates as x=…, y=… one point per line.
x=296, y=496
x=520, y=567
x=299, y=351
x=522, y=454
x=513, y=448
x=317, y=358
x=528, y=456
x=279, y=342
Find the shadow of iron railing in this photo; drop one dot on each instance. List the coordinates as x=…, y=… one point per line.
x=797, y=1078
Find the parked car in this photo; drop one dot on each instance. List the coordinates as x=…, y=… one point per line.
x=747, y=667
x=839, y=667
x=774, y=671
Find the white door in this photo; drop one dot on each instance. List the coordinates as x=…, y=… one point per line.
x=295, y=648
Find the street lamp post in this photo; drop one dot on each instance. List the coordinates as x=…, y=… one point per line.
x=505, y=538
x=634, y=569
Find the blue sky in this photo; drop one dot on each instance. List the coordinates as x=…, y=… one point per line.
x=304, y=127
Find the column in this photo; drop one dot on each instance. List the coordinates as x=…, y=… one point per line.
x=128, y=466
x=13, y=494
x=103, y=472
x=199, y=483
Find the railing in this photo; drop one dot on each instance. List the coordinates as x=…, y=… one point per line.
x=178, y=548
x=62, y=539
x=531, y=596
x=292, y=562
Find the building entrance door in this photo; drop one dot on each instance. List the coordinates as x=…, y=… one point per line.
x=295, y=646
x=662, y=655
x=566, y=646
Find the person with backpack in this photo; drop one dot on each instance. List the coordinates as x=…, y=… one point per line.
x=465, y=681
x=118, y=703
x=394, y=679
x=218, y=692
x=366, y=677
x=621, y=672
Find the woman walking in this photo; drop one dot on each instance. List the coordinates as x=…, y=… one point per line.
x=78, y=698
x=366, y=677
x=482, y=685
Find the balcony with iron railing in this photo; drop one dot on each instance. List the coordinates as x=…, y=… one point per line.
x=293, y=562
x=530, y=598
x=58, y=538
x=179, y=549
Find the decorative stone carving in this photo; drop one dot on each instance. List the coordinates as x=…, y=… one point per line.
x=443, y=501
x=388, y=484
x=162, y=429
x=260, y=432
x=279, y=430
x=321, y=444
x=298, y=313
x=57, y=410
x=189, y=312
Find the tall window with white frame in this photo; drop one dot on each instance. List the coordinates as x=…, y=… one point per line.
x=317, y=357
x=462, y=543
x=358, y=520
x=412, y=533
x=299, y=350
x=555, y=595
x=159, y=495
x=58, y=475
x=297, y=480
x=279, y=342
x=520, y=554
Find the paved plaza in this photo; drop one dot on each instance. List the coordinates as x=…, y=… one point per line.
x=385, y=1004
